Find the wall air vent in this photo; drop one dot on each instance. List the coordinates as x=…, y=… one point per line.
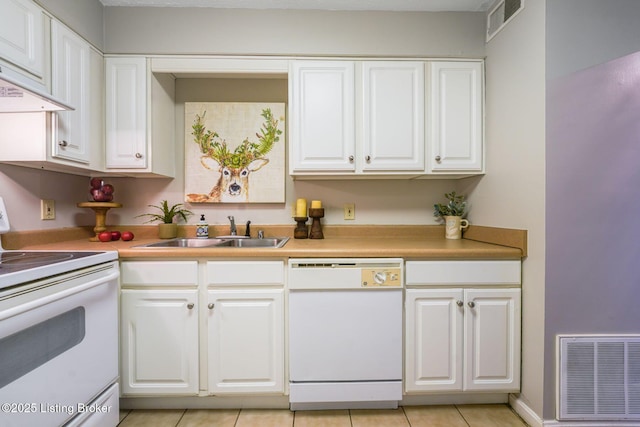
x=598, y=378
x=500, y=14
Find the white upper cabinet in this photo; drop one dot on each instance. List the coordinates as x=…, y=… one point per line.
x=22, y=39
x=126, y=112
x=386, y=118
x=65, y=141
x=393, y=116
x=456, y=117
x=322, y=110
x=140, y=118
x=356, y=117
x=70, y=71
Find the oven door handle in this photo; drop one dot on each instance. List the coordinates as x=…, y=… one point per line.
x=38, y=302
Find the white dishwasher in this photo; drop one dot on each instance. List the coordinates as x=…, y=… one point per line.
x=345, y=333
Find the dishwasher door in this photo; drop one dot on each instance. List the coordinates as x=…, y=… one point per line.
x=345, y=335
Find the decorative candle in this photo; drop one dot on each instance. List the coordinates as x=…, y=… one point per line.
x=301, y=208
x=316, y=204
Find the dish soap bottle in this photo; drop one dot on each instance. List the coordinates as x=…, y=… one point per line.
x=202, y=230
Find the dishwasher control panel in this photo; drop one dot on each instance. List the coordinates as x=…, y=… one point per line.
x=381, y=277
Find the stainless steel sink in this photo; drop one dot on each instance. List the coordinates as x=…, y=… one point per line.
x=274, y=242
x=268, y=242
x=184, y=243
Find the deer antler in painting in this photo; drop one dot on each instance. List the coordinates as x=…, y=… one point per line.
x=234, y=166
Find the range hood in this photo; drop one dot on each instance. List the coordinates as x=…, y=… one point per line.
x=16, y=97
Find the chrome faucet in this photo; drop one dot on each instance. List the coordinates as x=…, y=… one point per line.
x=233, y=230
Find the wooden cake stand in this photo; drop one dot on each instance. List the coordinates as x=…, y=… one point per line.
x=100, y=208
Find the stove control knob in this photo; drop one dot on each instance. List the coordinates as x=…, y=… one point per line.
x=380, y=277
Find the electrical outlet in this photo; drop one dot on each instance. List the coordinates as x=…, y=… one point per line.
x=47, y=209
x=350, y=211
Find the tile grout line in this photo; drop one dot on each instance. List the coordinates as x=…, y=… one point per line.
x=181, y=417
x=406, y=417
x=235, y=423
x=464, y=419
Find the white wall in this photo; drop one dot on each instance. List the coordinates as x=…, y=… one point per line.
x=512, y=192
x=292, y=32
x=84, y=16
x=592, y=97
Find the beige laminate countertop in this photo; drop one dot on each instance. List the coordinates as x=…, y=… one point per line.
x=400, y=242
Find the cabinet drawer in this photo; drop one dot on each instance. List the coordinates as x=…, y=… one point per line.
x=463, y=273
x=245, y=273
x=151, y=273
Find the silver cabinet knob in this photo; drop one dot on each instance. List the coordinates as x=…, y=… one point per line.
x=459, y=303
x=211, y=305
x=351, y=159
x=438, y=158
x=190, y=306
x=471, y=304
x=138, y=156
x=368, y=159
x=63, y=143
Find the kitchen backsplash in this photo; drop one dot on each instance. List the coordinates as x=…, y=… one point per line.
x=376, y=201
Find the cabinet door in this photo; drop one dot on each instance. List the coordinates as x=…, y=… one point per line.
x=492, y=339
x=71, y=83
x=246, y=341
x=22, y=35
x=434, y=339
x=321, y=102
x=456, y=117
x=393, y=116
x=126, y=113
x=159, y=342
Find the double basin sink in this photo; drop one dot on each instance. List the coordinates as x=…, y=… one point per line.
x=231, y=242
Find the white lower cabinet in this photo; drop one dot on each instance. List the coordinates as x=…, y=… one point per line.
x=190, y=328
x=246, y=341
x=159, y=337
x=462, y=338
x=159, y=341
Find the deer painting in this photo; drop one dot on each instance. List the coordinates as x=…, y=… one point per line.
x=234, y=167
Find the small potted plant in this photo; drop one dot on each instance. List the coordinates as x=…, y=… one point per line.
x=452, y=214
x=167, y=229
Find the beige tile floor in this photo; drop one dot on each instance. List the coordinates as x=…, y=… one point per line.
x=408, y=416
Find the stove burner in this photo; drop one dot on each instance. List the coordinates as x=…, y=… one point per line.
x=11, y=261
x=32, y=259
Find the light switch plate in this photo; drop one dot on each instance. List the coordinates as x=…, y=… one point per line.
x=47, y=209
x=350, y=211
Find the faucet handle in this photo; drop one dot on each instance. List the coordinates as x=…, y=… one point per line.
x=260, y=234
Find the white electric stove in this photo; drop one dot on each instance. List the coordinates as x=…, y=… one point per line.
x=58, y=337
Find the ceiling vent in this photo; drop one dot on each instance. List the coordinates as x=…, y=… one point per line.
x=599, y=378
x=500, y=14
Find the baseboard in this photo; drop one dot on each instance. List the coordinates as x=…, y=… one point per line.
x=532, y=419
x=556, y=423
x=525, y=412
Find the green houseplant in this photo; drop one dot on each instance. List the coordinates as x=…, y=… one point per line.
x=452, y=214
x=167, y=229
x=456, y=206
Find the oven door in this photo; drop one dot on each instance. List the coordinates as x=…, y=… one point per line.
x=58, y=347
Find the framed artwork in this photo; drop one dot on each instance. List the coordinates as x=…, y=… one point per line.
x=234, y=152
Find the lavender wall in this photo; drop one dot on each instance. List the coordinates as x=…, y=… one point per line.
x=592, y=206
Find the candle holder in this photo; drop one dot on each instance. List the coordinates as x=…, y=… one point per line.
x=316, y=227
x=100, y=209
x=301, y=231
